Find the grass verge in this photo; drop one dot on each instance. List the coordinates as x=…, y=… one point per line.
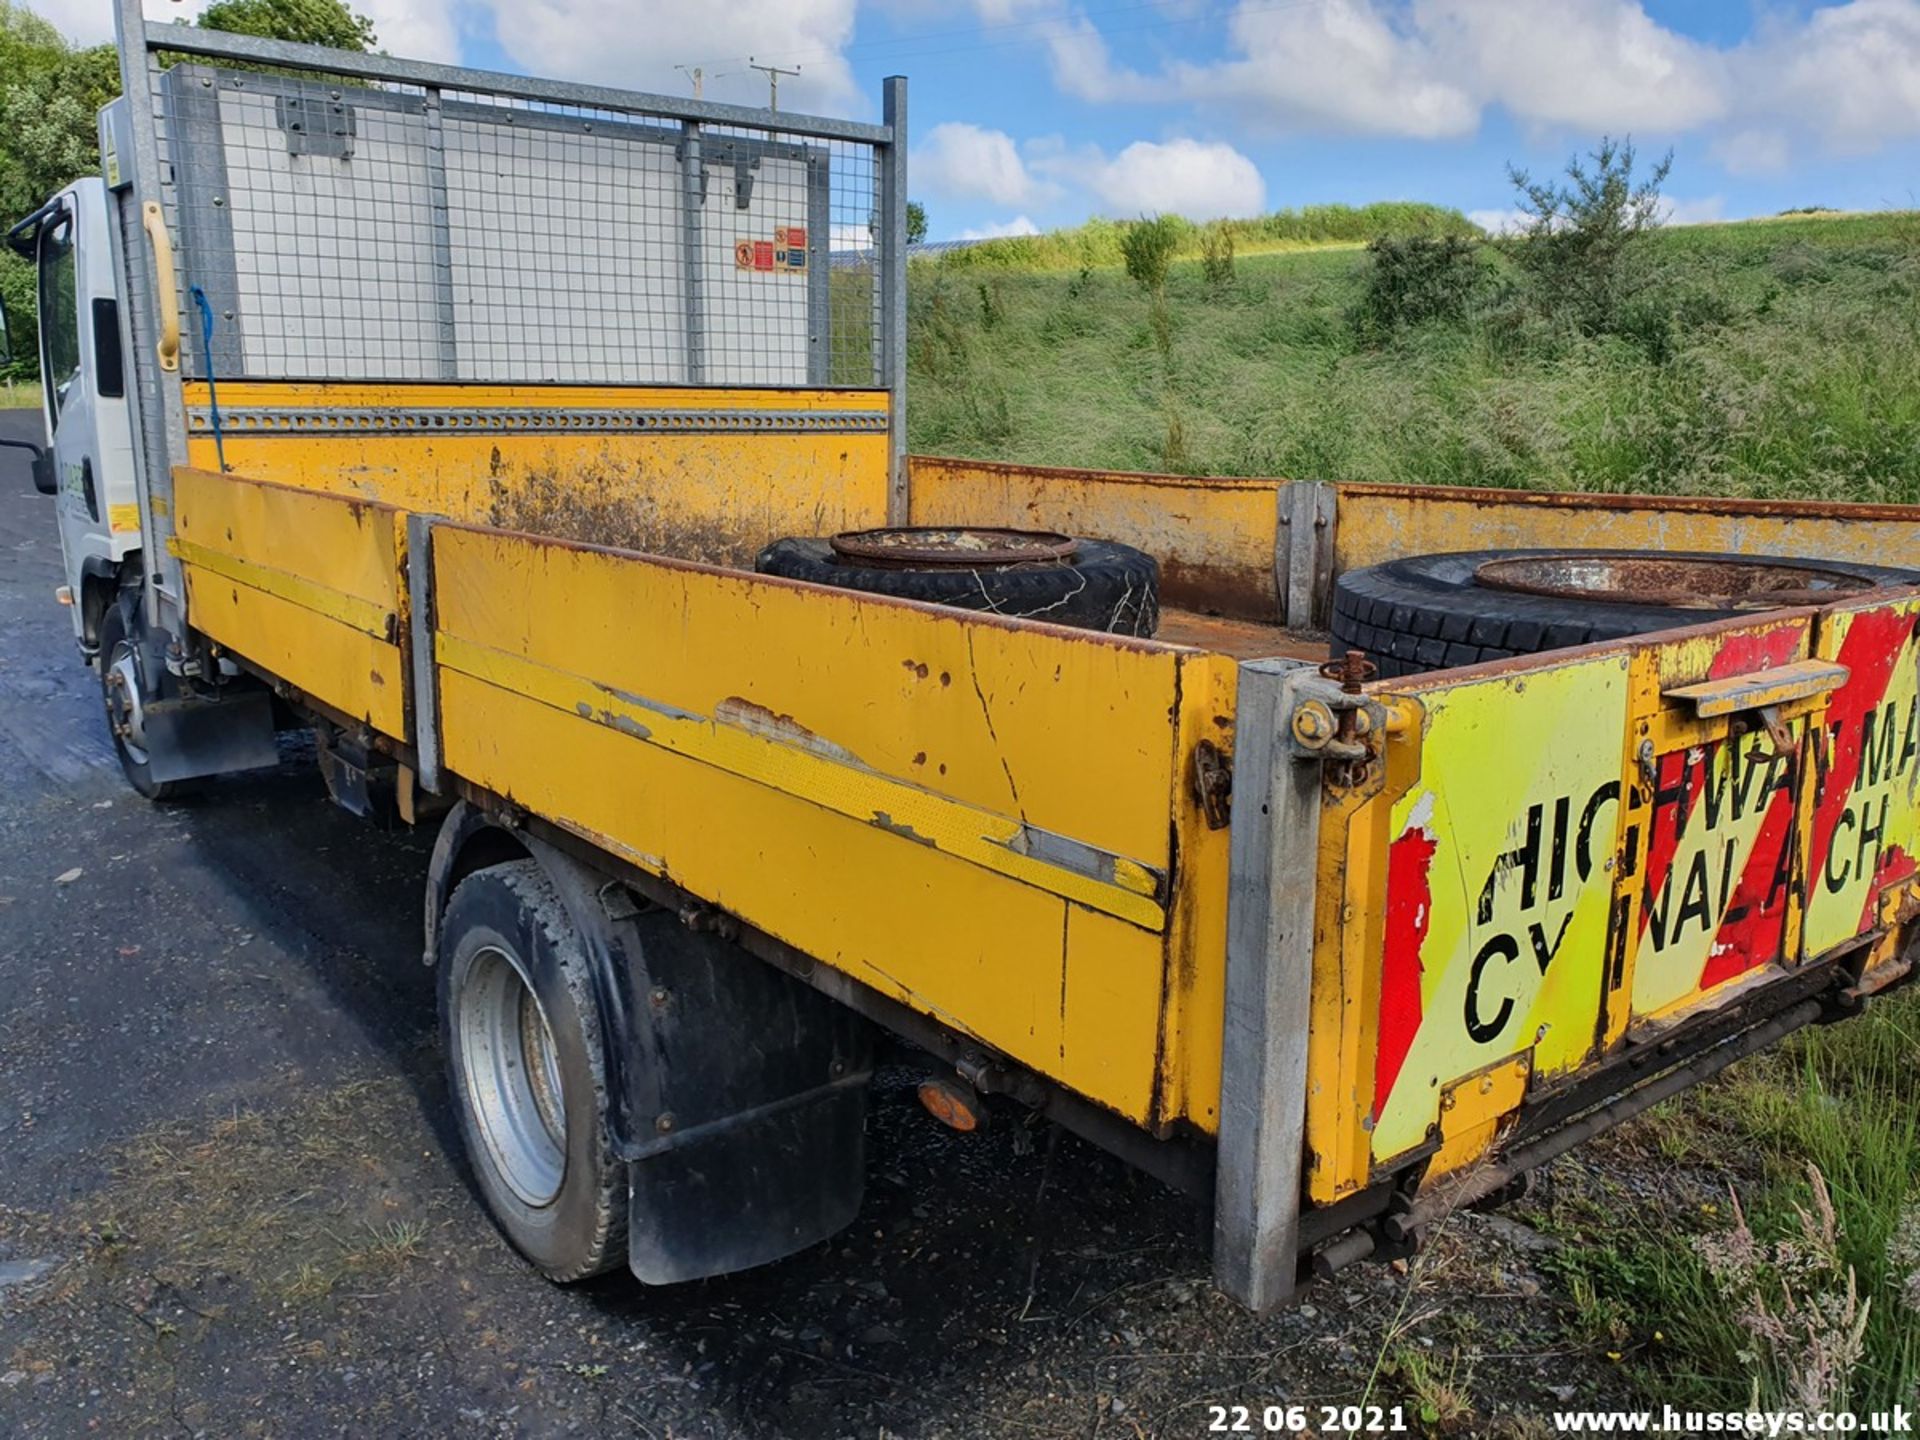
x=1799, y=1286
x=1783, y=361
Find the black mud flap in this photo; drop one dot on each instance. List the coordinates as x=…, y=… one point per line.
x=759, y=1109
x=740, y=1093
x=188, y=738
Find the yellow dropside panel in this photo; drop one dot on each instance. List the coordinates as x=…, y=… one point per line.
x=1197, y=927
x=1496, y=889
x=1713, y=823
x=1866, y=777
x=1063, y=730
x=305, y=586
x=344, y=667
x=1214, y=538
x=347, y=547
x=1070, y=994
x=717, y=497
x=1109, y=1011
x=1384, y=522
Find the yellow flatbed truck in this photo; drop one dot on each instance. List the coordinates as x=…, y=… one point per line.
x=1338, y=943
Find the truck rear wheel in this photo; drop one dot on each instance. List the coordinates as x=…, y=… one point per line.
x=522, y=1033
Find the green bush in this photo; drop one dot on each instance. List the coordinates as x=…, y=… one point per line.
x=1580, y=247
x=1411, y=280
x=1147, y=248
x=1216, y=255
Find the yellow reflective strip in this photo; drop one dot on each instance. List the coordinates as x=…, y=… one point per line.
x=991, y=841
x=362, y=615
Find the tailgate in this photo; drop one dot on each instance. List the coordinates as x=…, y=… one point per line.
x=1563, y=857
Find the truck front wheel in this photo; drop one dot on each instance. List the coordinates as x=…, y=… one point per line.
x=123, y=692
x=522, y=1036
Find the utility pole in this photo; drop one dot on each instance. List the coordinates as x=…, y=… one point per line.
x=696, y=74
x=773, y=74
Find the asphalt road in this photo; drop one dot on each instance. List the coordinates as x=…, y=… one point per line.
x=231, y=1202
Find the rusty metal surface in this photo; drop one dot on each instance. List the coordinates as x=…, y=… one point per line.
x=1075, y=472
x=1642, y=579
x=1237, y=639
x=917, y=547
x=1385, y=522
x=1762, y=689
x=1214, y=537
x=1679, y=504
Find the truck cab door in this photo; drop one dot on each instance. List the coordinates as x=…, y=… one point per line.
x=84, y=399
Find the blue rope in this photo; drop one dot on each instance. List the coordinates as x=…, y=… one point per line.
x=206, y=353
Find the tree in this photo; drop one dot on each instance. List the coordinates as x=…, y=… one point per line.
x=1578, y=244
x=308, y=22
x=50, y=98
x=916, y=222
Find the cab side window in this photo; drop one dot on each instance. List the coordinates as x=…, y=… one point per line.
x=59, y=313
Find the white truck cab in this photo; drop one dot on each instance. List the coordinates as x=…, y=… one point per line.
x=176, y=715
x=89, y=465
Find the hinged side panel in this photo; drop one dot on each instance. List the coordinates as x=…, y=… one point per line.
x=1864, y=821
x=1588, y=853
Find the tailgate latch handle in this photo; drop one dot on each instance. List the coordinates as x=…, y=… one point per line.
x=1769, y=694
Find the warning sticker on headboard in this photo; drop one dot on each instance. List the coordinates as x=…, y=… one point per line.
x=786, y=251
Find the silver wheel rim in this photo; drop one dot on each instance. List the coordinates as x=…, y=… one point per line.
x=513, y=1077
x=124, y=715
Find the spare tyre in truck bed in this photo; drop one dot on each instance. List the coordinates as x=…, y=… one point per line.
x=1433, y=612
x=1031, y=575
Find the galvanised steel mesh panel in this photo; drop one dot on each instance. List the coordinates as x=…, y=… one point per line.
x=401, y=232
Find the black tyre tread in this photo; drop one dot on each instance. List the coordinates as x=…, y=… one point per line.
x=605, y=1247
x=1108, y=587
x=1409, y=622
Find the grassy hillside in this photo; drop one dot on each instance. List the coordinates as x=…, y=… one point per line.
x=1097, y=243
x=1775, y=358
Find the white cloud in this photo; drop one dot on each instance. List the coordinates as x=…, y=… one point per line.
x=637, y=44
x=414, y=29
x=964, y=160
x=1344, y=65
x=1500, y=222
x=1851, y=73
x=1198, y=179
x=1588, y=64
x=1083, y=67
x=1001, y=229
x=1847, y=74
x=90, y=22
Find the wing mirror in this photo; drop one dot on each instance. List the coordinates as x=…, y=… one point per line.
x=45, y=479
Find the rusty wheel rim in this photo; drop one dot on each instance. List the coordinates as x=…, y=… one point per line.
x=1705, y=584
x=968, y=547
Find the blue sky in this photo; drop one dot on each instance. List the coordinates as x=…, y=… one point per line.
x=1042, y=112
